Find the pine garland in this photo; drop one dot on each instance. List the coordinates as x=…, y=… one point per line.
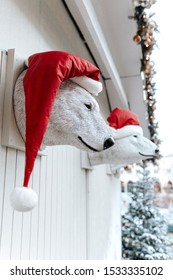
x=146, y=28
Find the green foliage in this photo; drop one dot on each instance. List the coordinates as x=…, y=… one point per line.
x=144, y=229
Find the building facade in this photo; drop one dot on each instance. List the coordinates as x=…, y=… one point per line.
x=78, y=215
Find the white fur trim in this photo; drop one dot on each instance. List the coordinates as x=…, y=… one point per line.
x=93, y=86
x=23, y=199
x=127, y=130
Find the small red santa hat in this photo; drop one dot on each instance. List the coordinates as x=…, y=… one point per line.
x=46, y=71
x=125, y=122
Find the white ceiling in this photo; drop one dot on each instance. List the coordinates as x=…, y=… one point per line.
x=119, y=31
x=109, y=34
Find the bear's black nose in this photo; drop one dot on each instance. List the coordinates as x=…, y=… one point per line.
x=108, y=143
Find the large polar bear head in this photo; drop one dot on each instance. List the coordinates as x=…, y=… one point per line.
x=54, y=105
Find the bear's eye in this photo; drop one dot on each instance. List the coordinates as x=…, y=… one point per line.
x=88, y=106
x=136, y=136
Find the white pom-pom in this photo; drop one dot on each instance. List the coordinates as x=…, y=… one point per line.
x=23, y=199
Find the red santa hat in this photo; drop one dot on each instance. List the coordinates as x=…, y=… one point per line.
x=125, y=122
x=46, y=71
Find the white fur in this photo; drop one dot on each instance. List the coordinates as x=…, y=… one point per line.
x=69, y=119
x=23, y=199
x=125, y=151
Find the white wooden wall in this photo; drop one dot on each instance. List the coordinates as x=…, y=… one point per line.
x=78, y=214
x=103, y=205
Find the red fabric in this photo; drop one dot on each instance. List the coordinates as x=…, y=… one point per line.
x=120, y=118
x=45, y=73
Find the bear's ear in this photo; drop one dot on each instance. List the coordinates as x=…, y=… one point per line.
x=27, y=62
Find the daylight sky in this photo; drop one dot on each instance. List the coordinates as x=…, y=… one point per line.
x=163, y=58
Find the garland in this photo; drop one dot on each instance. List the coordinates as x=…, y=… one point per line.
x=146, y=27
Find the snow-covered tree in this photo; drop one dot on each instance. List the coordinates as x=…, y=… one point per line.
x=144, y=229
